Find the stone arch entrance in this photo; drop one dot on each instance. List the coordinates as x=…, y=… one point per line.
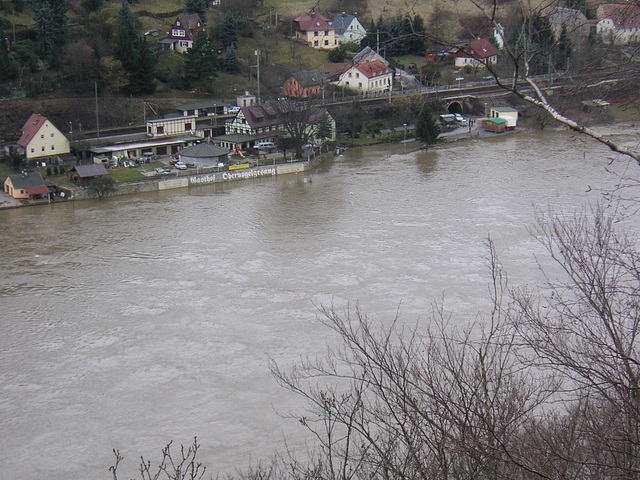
x=455, y=107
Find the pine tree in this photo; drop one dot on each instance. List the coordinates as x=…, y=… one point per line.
x=201, y=59
x=45, y=34
x=427, y=129
x=230, y=60
x=197, y=6
x=125, y=48
x=8, y=68
x=229, y=31
x=324, y=129
x=143, y=74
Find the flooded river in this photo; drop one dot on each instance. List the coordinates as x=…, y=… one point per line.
x=141, y=319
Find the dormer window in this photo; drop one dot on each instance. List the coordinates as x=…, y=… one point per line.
x=176, y=32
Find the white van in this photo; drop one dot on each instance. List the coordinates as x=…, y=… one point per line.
x=265, y=145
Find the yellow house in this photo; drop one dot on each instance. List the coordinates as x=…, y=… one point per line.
x=41, y=140
x=316, y=31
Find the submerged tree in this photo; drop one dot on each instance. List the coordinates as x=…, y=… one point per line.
x=427, y=128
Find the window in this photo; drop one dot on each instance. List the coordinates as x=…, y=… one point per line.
x=42, y=136
x=347, y=84
x=52, y=135
x=357, y=75
x=326, y=32
x=187, y=126
x=315, y=34
x=53, y=148
x=326, y=43
x=177, y=32
x=42, y=148
x=360, y=85
x=160, y=129
x=350, y=74
x=315, y=43
x=33, y=150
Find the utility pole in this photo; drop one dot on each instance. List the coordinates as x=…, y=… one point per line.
x=95, y=84
x=257, y=52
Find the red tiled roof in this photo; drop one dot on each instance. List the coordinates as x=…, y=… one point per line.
x=30, y=128
x=373, y=69
x=622, y=15
x=481, y=49
x=38, y=190
x=309, y=23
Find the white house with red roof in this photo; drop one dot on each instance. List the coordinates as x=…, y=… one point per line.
x=183, y=32
x=316, y=31
x=367, y=77
x=477, y=53
x=41, y=140
x=618, y=23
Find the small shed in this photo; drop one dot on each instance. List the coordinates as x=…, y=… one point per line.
x=509, y=114
x=204, y=154
x=83, y=175
x=496, y=125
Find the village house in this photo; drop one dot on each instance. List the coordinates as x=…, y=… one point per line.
x=477, y=53
x=27, y=186
x=303, y=84
x=315, y=31
x=261, y=122
x=183, y=32
x=368, y=77
x=368, y=54
x=618, y=24
x=574, y=23
x=201, y=119
x=41, y=141
x=348, y=29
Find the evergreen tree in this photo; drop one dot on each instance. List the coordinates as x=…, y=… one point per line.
x=229, y=31
x=18, y=5
x=125, y=48
x=59, y=10
x=427, y=129
x=324, y=129
x=142, y=78
x=45, y=33
x=93, y=5
x=230, y=60
x=197, y=6
x=201, y=59
x=8, y=68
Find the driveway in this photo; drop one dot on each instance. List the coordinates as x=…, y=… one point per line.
x=7, y=200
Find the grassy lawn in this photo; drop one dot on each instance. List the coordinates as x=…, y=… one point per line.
x=131, y=174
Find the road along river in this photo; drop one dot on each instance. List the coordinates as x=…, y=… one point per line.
x=140, y=319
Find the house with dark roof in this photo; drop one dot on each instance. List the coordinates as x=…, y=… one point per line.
x=618, y=24
x=348, y=29
x=265, y=122
x=83, y=175
x=368, y=54
x=27, y=186
x=303, y=84
x=41, y=141
x=183, y=32
x=478, y=53
x=367, y=77
x=315, y=31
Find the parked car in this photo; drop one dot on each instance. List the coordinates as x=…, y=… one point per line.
x=180, y=165
x=265, y=145
x=461, y=120
x=233, y=109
